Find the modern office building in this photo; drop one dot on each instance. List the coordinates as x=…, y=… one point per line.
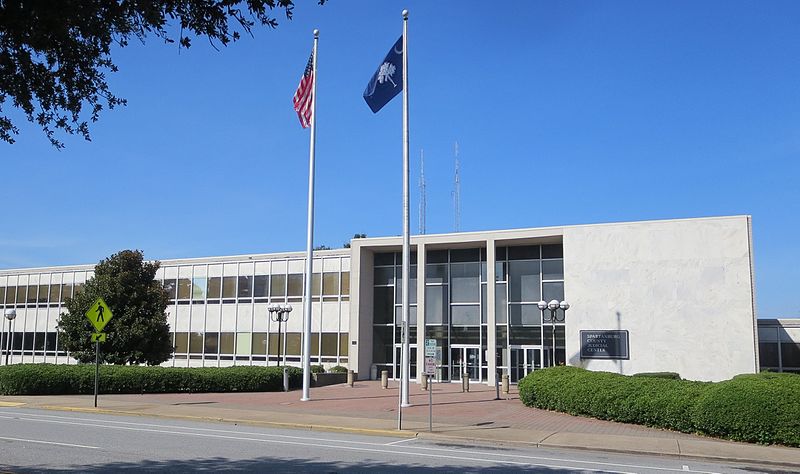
x=671, y=295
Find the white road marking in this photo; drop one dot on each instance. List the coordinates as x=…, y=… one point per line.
x=49, y=442
x=104, y=424
x=399, y=441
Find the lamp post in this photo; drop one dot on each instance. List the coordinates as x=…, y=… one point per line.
x=279, y=313
x=553, y=306
x=10, y=315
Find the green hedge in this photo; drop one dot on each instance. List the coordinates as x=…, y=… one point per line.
x=762, y=408
x=659, y=375
x=49, y=379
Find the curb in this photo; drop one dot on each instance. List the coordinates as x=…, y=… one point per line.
x=271, y=424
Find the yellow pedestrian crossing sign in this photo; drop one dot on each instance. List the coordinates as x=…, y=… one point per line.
x=99, y=315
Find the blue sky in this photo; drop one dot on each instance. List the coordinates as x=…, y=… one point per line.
x=565, y=113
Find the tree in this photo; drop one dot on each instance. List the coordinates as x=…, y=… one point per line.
x=138, y=332
x=54, y=55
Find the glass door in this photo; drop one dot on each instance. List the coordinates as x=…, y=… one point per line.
x=465, y=359
x=398, y=357
x=524, y=360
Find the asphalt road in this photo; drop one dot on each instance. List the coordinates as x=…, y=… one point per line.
x=40, y=440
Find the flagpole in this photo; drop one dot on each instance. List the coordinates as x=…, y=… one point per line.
x=405, y=369
x=310, y=240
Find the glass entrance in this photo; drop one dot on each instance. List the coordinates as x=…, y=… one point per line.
x=398, y=357
x=465, y=359
x=524, y=360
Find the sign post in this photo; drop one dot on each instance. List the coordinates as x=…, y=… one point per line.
x=430, y=369
x=99, y=315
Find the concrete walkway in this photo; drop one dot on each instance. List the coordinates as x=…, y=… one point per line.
x=366, y=408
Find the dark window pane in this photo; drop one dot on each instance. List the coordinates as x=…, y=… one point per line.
x=330, y=344
x=523, y=277
x=384, y=258
x=528, y=252
x=553, y=269
x=466, y=315
x=398, y=258
x=464, y=255
x=465, y=335
x=43, y=291
x=261, y=286
x=553, y=251
x=33, y=292
x=345, y=283
x=212, y=341
x=245, y=287
x=196, y=342
x=181, y=342
x=464, y=282
x=50, y=341
x=383, y=305
x=384, y=276
x=524, y=314
x=295, y=286
x=22, y=291
x=277, y=286
x=382, y=344
x=330, y=284
x=214, y=287
x=2, y=295
x=436, y=273
x=790, y=354
x=170, y=286
x=436, y=303
x=226, y=341
x=54, y=293
x=229, y=287
x=553, y=291
x=184, y=288
x=293, y=343
x=501, y=253
x=259, y=343
x=343, y=344
x=437, y=256
x=526, y=336
x=38, y=342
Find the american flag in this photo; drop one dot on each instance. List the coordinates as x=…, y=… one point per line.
x=303, y=95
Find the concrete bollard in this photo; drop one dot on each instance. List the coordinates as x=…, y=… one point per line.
x=505, y=384
x=285, y=380
x=465, y=382
x=384, y=379
x=351, y=377
x=424, y=380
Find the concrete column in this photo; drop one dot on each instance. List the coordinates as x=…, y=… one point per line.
x=420, y=310
x=491, y=331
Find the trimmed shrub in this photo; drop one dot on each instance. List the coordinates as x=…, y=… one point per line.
x=338, y=369
x=317, y=369
x=763, y=408
x=659, y=375
x=50, y=379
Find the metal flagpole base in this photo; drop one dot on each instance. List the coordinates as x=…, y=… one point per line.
x=304, y=399
x=406, y=405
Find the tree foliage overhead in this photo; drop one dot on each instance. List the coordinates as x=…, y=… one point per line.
x=138, y=332
x=54, y=55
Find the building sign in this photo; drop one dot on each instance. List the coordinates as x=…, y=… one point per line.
x=604, y=345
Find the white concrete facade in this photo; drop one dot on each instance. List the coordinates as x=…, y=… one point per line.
x=682, y=289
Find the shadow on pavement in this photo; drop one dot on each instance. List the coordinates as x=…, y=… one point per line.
x=267, y=464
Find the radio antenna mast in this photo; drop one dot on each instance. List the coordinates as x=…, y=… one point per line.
x=423, y=201
x=457, y=193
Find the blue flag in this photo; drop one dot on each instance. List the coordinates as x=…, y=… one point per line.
x=387, y=81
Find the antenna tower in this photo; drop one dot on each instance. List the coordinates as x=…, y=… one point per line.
x=423, y=200
x=457, y=193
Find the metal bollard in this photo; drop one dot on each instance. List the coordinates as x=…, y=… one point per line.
x=285, y=380
x=351, y=377
x=384, y=379
x=505, y=384
x=497, y=386
x=424, y=380
x=465, y=382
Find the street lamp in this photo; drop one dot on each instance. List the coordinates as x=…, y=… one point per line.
x=279, y=313
x=553, y=306
x=10, y=315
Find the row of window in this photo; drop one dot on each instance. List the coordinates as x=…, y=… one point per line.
x=33, y=294
x=327, y=344
x=257, y=286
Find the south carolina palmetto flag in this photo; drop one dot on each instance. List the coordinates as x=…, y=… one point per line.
x=304, y=94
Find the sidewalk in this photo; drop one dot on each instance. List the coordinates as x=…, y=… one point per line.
x=366, y=408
